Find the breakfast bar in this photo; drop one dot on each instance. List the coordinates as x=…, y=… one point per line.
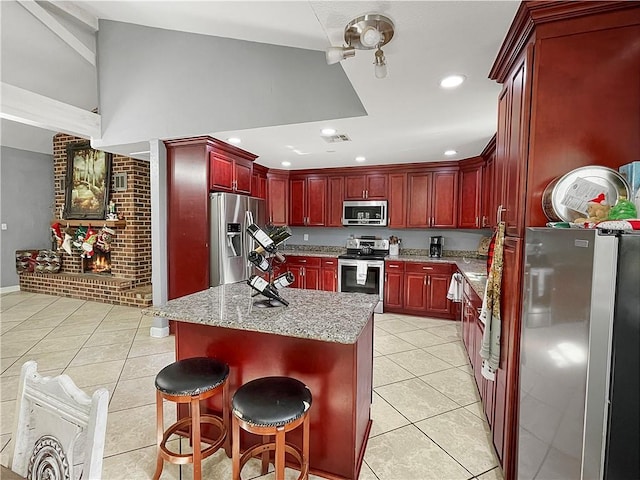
x=324, y=339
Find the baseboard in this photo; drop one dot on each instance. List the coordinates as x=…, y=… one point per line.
x=12, y=288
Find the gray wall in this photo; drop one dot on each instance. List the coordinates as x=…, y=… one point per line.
x=411, y=238
x=26, y=199
x=143, y=74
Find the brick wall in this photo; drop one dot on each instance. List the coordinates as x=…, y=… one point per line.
x=131, y=248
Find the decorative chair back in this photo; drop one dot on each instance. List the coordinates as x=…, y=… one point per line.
x=59, y=430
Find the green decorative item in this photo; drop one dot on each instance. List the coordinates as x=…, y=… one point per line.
x=622, y=210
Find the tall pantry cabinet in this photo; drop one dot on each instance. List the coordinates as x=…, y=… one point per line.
x=570, y=73
x=196, y=166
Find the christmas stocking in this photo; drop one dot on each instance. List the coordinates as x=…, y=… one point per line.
x=105, y=237
x=79, y=236
x=89, y=241
x=56, y=233
x=66, y=243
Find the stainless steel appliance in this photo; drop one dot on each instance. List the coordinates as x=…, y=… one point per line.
x=436, y=245
x=365, y=212
x=580, y=360
x=361, y=269
x=229, y=243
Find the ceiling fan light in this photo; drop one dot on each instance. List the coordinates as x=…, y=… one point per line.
x=337, y=54
x=370, y=37
x=380, y=68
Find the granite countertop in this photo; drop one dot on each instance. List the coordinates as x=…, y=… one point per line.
x=474, y=269
x=312, y=253
x=312, y=314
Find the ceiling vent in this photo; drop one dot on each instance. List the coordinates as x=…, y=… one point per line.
x=336, y=138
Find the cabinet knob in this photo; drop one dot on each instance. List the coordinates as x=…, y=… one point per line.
x=427, y=268
x=425, y=280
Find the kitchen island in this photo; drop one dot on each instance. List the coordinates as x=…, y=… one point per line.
x=324, y=339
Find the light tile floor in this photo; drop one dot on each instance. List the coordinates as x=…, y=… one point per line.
x=427, y=419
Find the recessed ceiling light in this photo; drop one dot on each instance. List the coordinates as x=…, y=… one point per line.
x=286, y=164
x=360, y=159
x=234, y=140
x=450, y=153
x=328, y=131
x=452, y=81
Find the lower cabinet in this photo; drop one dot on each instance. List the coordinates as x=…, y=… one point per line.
x=329, y=274
x=306, y=271
x=418, y=288
x=472, y=332
x=393, y=286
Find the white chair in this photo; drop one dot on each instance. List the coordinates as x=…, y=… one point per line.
x=59, y=430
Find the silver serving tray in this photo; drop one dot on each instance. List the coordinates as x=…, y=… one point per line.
x=614, y=186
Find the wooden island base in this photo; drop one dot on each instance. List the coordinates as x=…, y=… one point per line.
x=339, y=376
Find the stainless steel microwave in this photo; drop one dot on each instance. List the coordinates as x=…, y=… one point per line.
x=366, y=212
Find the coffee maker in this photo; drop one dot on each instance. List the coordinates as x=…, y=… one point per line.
x=435, y=246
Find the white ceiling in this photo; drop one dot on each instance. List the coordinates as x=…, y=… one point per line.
x=410, y=118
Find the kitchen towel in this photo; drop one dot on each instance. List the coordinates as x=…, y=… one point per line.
x=361, y=272
x=490, y=313
x=455, y=288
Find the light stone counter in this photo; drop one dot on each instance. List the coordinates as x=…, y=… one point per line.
x=312, y=314
x=474, y=269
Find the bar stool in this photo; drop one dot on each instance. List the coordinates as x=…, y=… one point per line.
x=190, y=381
x=271, y=406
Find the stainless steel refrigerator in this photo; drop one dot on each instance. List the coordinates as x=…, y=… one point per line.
x=229, y=243
x=580, y=356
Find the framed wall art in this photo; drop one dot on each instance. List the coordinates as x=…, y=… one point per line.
x=88, y=181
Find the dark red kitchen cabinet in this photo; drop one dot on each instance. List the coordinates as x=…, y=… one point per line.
x=438, y=286
x=415, y=293
x=297, y=207
x=187, y=215
x=259, y=182
x=329, y=273
x=278, y=198
x=308, y=201
x=419, y=190
x=487, y=218
x=335, y=197
x=444, y=199
x=432, y=200
x=369, y=186
x=470, y=194
x=397, y=200
x=426, y=286
x=306, y=271
x=393, y=285
x=230, y=169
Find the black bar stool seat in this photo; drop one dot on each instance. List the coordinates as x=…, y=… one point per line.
x=271, y=406
x=190, y=381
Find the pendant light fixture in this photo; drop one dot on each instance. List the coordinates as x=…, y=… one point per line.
x=367, y=32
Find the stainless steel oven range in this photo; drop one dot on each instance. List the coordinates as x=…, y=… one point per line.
x=361, y=269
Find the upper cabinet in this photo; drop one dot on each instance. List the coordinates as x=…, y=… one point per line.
x=397, y=200
x=231, y=169
x=308, y=200
x=335, y=194
x=488, y=190
x=278, y=197
x=370, y=186
x=470, y=193
x=432, y=199
x=259, y=181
